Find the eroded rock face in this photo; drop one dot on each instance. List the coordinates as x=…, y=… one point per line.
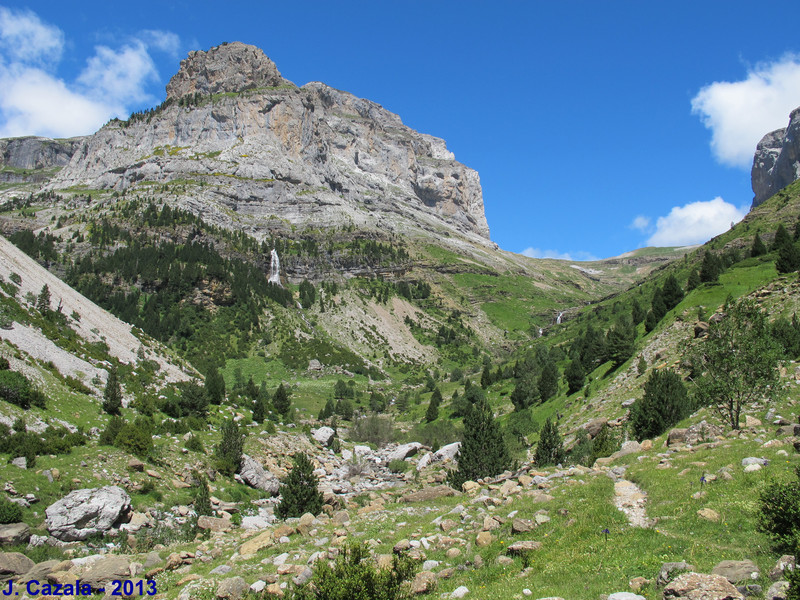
x=86, y=512
x=777, y=160
x=267, y=148
x=253, y=474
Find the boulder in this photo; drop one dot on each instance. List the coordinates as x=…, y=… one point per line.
x=213, y=523
x=428, y=494
x=625, y=596
x=324, y=435
x=446, y=453
x=737, y=570
x=785, y=562
x=594, y=426
x=778, y=590
x=752, y=460
x=256, y=476
x=87, y=512
x=708, y=514
x=14, y=534
x=403, y=451
x=676, y=436
x=423, y=583
x=522, y=525
x=522, y=547
x=106, y=569
x=259, y=542
x=13, y=564
x=697, y=586
x=232, y=589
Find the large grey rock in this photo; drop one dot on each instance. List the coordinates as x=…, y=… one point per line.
x=13, y=564
x=776, y=163
x=737, y=571
x=106, y=569
x=253, y=474
x=86, y=512
x=697, y=586
x=443, y=454
x=14, y=534
x=625, y=596
x=669, y=570
x=778, y=590
x=232, y=589
x=403, y=451
x=324, y=435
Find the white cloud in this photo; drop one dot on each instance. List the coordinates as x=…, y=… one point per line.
x=695, y=223
x=120, y=75
x=740, y=113
x=23, y=37
x=578, y=256
x=641, y=223
x=34, y=100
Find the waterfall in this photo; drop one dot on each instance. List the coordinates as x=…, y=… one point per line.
x=274, y=268
x=558, y=318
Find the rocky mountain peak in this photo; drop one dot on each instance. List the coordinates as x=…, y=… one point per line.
x=777, y=160
x=233, y=67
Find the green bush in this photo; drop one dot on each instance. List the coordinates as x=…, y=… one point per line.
x=354, y=576
x=135, y=439
x=373, y=429
x=9, y=512
x=299, y=493
x=399, y=466
x=195, y=445
x=779, y=516
x=16, y=389
x=110, y=433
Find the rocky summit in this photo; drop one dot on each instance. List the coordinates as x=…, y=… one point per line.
x=777, y=160
x=252, y=147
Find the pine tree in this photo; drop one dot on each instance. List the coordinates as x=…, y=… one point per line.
x=228, y=453
x=550, y=449
x=665, y=402
x=215, y=386
x=202, y=497
x=620, y=341
x=328, y=411
x=693, y=281
x=758, y=248
x=112, y=395
x=548, y=381
x=659, y=306
x=526, y=391
x=281, y=401
x=433, y=408
x=782, y=238
x=483, y=451
x=43, y=300
x=672, y=292
x=575, y=376
x=788, y=260
x=710, y=268
x=299, y=493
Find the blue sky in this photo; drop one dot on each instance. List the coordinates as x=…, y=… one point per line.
x=596, y=127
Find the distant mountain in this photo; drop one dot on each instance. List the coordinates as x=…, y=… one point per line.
x=246, y=143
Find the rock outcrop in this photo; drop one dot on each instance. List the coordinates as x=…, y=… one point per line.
x=248, y=146
x=777, y=160
x=87, y=512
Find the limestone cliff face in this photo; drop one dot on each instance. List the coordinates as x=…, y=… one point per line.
x=241, y=138
x=777, y=160
x=33, y=159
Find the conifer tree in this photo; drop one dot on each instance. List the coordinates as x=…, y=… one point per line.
x=575, y=376
x=215, y=386
x=202, y=497
x=659, y=306
x=433, y=408
x=43, y=300
x=788, y=260
x=550, y=449
x=483, y=451
x=620, y=341
x=758, y=248
x=665, y=402
x=299, y=493
x=710, y=268
x=672, y=292
x=228, y=453
x=112, y=395
x=281, y=401
x=693, y=281
x=782, y=238
x=548, y=381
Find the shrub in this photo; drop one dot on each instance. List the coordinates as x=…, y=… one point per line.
x=110, y=433
x=354, y=576
x=665, y=402
x=605, y=443
x=9, y=512
x=299, y=493
x=373, y=429
x=202, y=496
x=136, y=439
x=399, y=466
x=779, y=516
x=16, y=389
x=195, y=445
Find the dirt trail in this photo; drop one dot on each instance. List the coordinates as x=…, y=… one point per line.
x=630, y=499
